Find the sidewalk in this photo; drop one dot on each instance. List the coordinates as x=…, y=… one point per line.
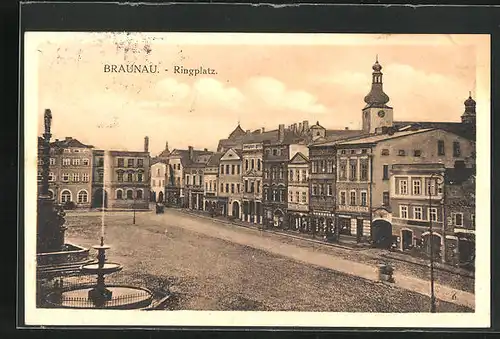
x=350, y=267
x=353, y=247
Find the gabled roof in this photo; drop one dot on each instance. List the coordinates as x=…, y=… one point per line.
x=374, y=138
x=68, y=143
x=457, y=128
x=232, y=151
x=215, y=159
x=156, y=160
x=184, y=156
x=299, y=158
x=247, y=138
x=238, y=132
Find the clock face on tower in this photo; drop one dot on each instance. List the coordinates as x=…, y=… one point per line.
x=381, y=114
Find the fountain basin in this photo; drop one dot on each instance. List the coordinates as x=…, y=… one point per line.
x=66, y=261
x=123, y=297
x=107, y=268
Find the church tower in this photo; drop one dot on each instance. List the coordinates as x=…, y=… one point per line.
x=376, y=113
x=469, y=116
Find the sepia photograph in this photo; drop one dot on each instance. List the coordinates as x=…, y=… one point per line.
x=238, y=179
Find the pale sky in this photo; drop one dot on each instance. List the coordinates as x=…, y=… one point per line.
x=259, y=82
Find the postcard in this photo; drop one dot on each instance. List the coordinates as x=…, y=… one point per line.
x=237, y=179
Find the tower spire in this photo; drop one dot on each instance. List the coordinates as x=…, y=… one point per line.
x=376, y=97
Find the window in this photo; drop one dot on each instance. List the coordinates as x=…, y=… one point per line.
x=456, y=149
x=52, y=176
x=275, y=152
x=158, y=171
x=130, y=177
x=39, y=176
x=120, y=162
x=431, y=187
x=417, y=153
x=304, y=175
x=440, y=146
x=206, y=186
x=275, y=197
x=65, y=177
x=417, y=187
x=297, y=176
x=363, y=151
x=266, y=194
x=222, y=188
x=246, y=164
x=364, y=170
x=53, y=161
x=238, y=188
x=342, y=198
x=100, y=162
x=83, y=197
x=385, y=198
x=458, y=219
x=385, y=151
x=252, y=187
x=291, y=175
x=65, y=196
x=258, y=164
x=297, y=196
x=221, y=169
x=403, y=211
x=417, y=213
x=282, y=172
x=385, y=172
x=401, y=153
x=258, y=186
x=75, y=177
x=473, y=220
x=353, y=171
x=140, y=162
x=342, y=173
x=403, y=187
x=139, y=177
x=130, y=194
x=321, y=189
x=253, y=163
x=314, y=167
x=76, y=151
x=120, y=176
x=282, y=195
x=352, y=198
x=315, y=190
x=238, y=169
x=227, y=169
x=232, y=188
x=246, y=185
x=76, y=162
x=66, y=162
x=353, y=151
x=432, y=213
x=233, y=169
x=329, y=189
x=343, y=151
x=363, y=198
x=153, y=182
x=138, y=194
x=290, y=197
x=227, y=188
x=100, y=176
x=85, y=177
x=67, y=150
x=304, y=197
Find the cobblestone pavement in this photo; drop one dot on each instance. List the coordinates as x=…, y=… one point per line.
x=213, y=266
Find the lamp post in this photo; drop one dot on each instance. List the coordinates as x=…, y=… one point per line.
x=133, y=220
x=438, y=180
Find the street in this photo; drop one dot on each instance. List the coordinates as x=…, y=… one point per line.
x=210, y=265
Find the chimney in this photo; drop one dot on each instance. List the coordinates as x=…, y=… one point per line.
x=67, y=138
x=146, y=144
x=347, y=128
x=191, y=154
x=263, y=129
x=305, y=124
x=295, y=127
x=248, y=131
x=166, y=146
x=205, y=149
x=57, y=140
x=281, y=133
x=300, y=127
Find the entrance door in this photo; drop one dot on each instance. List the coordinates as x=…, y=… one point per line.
x=382, y=233
x=236, y=209
x=407, y=239
x=359, y=229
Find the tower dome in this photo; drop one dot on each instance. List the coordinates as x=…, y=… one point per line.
x=376, y=97
x=469, y=116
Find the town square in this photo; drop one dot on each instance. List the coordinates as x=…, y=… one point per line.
x=372, y=210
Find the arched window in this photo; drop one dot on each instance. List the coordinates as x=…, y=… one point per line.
x=130, y=177
x=258, y=164
x=246, y=164
x=138, y=194
x=51, y=194
x=130, y=194
x=65, y=196
x=119, y=194
x=83, y=197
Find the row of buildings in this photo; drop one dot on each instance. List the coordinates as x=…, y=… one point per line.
x=385, y=182
x=81, y=176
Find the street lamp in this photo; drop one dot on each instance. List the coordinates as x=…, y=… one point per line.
x=135, y=195
x=438, y=179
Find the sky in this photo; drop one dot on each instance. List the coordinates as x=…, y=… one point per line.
x=261, y=81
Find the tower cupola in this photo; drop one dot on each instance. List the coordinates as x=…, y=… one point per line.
x=469, y=116
x=376, y=98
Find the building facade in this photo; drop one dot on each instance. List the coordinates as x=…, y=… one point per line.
x=252, y=182
x=298, y=193
x=121, y=179
x=231, y=183
x=159, y=175
x=70, y=172
x=211, y=182
x=194, y=182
